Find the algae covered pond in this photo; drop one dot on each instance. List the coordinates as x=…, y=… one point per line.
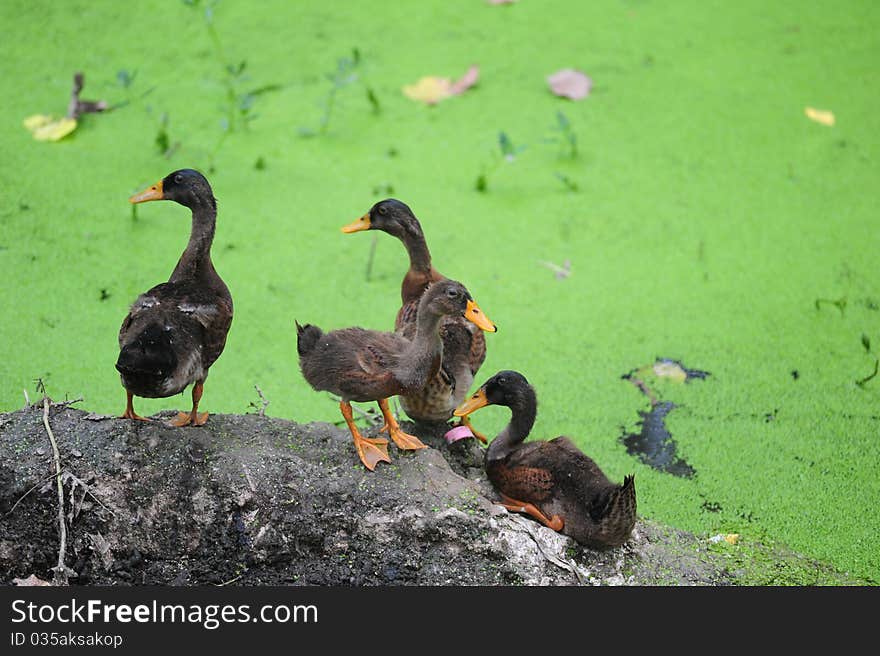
x=687, y=210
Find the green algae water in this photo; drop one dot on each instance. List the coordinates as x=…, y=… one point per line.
x=713, y=222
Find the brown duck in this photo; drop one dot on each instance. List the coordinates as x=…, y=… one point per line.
x=464, y=346
x=175, y=331
x=552, y=481
x=368, y=365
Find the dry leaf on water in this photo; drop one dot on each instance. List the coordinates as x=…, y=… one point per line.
x=729, y=538
x=825, y=117
x=570, y=83
x=431, y=90
x=46, y=127
x=670, y=370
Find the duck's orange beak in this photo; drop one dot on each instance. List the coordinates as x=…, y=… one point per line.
x=150, y=193
x=474, y=314
x=477, y=401
x=362, y=223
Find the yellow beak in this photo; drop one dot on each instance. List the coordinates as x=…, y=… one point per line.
x=150, y=193
x=362, y=223
x=477, y=401
x=474, y=314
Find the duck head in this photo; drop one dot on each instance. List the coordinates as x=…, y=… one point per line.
x=186, y=186
x=451, y=298
x=507, y=388
x=391, y=216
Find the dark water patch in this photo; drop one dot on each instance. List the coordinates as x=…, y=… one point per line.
x=654, y=446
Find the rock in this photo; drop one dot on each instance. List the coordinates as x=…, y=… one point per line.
x=261, y=500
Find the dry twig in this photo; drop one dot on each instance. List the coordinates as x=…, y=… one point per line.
x=262, y=411
x=60, y=571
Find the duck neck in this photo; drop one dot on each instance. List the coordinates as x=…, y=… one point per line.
x=419, y=255
x=423, y=357
x=196, y=259
x=523, y=412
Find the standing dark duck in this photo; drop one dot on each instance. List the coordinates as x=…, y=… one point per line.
x=552, y=481
x=369, y=365
x=464, y=346
x=177, y=330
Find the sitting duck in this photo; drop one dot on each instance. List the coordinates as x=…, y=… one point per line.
x=369, y=365
x=175, y=331
x=464, y=346
x=552, y=481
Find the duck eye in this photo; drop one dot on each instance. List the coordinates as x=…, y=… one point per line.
x=502, y=381
x=452, y=293
x=383, y=210
x=178, y=178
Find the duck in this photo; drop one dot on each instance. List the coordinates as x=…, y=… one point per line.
x=551, y=481
x=175, y=331
x=464, y=345
x=364, y=365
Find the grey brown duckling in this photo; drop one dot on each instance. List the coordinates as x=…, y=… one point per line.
x=175, y=331
x=464, y=346
x=552, y=481
x=369, y=365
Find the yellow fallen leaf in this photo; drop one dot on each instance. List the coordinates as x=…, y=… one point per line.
x=670, y=370
x=429, y=90
x=825, y=117
x=49, y=128
x=731, y=538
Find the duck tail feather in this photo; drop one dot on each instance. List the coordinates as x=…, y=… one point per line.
x=306, y=337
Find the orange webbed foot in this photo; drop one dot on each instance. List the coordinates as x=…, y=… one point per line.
x=371, y=451
x=556, y=522
x=182, y=419
x=133, y=415
x=403, y=440
x=188, y=418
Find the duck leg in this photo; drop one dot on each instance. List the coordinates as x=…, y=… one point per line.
x=529, y=509
x=466, y=421
x=193, y=417
x=401, y=439
x=370, y=451
x=129, y=410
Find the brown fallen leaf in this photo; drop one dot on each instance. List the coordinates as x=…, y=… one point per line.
x=32, y=580
x=466, y=81
x=825, y=117
x=570, y=83
x=431, y=89
x=500, y=2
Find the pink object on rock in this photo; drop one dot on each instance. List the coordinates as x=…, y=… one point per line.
x=570, y=83
x=458, y=433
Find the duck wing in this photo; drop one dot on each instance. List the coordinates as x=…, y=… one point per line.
x=524, y=474
x=355, y=363
x=187, y=318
